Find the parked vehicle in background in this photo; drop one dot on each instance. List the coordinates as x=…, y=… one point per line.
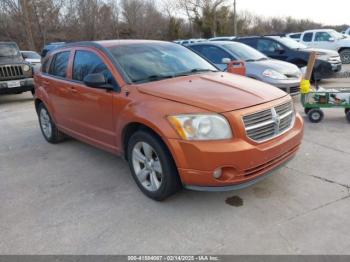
x=283, y=48
x=16, y=75
x=190, y=41
x=177, y=119
x=49, y=47
x=283, y=75
x=294, y=36
x=328, y=39
x=347, y=31
x=222, y=38
x=33, y=58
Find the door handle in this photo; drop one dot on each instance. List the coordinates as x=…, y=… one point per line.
x=73, y=90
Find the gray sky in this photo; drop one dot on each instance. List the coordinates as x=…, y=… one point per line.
x=326, y=12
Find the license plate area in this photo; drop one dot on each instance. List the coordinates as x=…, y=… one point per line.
x=12, y=84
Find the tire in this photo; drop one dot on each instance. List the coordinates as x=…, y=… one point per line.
x=345, y=56
x=152, y=166
x=315, y=115
x=307, y=110
x=32, y=91
x=48, y=127
x=347, y=110
x=348, y=115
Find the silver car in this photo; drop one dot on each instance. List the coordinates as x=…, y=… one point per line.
x=283, y=75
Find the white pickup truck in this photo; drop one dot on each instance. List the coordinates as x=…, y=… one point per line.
x=328, y=39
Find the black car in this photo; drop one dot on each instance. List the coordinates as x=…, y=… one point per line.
x=16, y=75
x=283, y=48
x=49, y=47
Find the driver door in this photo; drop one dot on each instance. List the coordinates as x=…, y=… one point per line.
x=92, y=108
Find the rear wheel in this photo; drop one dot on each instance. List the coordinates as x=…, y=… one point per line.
x=315, y=115
x=48, y=127
x=348, y=115
x=345, y=56
x=152, y=166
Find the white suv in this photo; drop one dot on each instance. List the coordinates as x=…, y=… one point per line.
x=328, y=39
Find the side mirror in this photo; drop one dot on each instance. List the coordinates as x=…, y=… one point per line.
x=226, y=60
x=24, y=56
x=331, y=39
x=279, y=50
x=97, y=81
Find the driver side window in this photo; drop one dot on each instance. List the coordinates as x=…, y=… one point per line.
x=214, y=54
x=86, y=62
x=322, y=37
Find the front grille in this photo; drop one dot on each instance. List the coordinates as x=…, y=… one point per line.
x=11, y=72
x=269, y=123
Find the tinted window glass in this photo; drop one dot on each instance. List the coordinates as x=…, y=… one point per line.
x=249, y=41
x=214, y=54
x=322, y=37
x=59, y=64
x=86, y=63
x=308, y=37
x=44, y=65
x=268, y=46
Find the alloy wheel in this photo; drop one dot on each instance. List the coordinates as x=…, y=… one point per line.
x=147, y=166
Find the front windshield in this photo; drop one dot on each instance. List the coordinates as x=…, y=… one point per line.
x=244, y=52
x=292, y=44
x=8, y=50
x=153, y=61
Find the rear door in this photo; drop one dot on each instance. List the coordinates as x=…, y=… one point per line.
x=92, y=108
x=57, y=87
x=307, y=39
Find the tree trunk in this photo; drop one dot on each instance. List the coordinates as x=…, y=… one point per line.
x=27, y=24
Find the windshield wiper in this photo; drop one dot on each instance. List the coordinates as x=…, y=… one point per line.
x=250, y=60
x=153, y=78
x=194, y=71
x=262, y=59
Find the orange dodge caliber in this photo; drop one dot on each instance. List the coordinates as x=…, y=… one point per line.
x=177, y=120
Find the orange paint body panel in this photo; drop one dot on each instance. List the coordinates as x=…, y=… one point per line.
x=101, y=117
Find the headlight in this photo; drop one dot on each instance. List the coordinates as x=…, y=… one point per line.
x=274, y=74
x=201, y=127
x=26, y=68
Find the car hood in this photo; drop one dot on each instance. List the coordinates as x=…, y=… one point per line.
x=217, y=92
x=11, y=60
x=277, y=65
x=319, y=50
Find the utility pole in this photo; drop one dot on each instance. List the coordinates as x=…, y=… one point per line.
x=234, y=18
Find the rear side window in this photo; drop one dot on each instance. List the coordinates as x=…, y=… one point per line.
x=307, y=37
x=86, y=62
x=249, y=41
x=295, y=36
x=59, y=64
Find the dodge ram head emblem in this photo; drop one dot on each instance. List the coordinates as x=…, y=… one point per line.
x=276, y=119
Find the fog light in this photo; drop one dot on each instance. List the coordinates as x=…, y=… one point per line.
x=217, y=173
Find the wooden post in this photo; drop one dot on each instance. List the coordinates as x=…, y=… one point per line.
x=310, y=66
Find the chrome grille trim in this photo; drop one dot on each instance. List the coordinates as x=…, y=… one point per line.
x=269, y=123
x=11, y=72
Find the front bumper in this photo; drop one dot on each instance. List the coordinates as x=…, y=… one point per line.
x=242, y=161
x=26, y=84
x=324, y=69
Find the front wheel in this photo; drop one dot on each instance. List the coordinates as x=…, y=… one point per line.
x=152, y=166
x=315, y=115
